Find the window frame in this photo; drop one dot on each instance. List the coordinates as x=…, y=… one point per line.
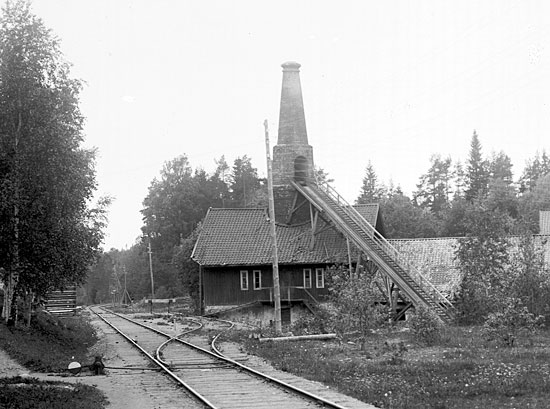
x=307, y=270
x=258, y=274
x=244, y=274
x=319, y=272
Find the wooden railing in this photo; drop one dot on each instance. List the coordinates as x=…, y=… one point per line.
x=289, y=293
x=382, y=243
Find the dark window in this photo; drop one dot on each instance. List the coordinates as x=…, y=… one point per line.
x=307, y=277
x=244, y=280
x=257, y=279
x=320, y=277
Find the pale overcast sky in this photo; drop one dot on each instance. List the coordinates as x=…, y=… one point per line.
x=390, y=82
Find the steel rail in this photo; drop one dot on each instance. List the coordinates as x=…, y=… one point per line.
x=156, y=361
x=278, y=382
x=213, y=343
x=165, y=343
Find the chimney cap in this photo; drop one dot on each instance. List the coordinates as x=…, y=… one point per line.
x=290, y=66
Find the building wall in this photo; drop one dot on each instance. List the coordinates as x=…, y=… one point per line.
x=284, y=157
x=263, y=316
x=222, y=285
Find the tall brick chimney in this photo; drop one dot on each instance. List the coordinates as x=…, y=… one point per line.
x=292, y=121
x=292, y=156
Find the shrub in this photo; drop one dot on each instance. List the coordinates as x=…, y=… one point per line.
x=318, y=323
x=354, y=298
x=426, y=325
x=512, y=321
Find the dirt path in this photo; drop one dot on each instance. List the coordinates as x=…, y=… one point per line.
x=123, y=388
x=131, y=388
x=8, y=367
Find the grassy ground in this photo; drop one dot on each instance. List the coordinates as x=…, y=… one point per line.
x=23, y=393
x=393, y=370
x=49, y=345
x=182, y=305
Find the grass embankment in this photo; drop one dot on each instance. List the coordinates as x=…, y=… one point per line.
x=23, y=393
x=49, y=345
x=394, y=371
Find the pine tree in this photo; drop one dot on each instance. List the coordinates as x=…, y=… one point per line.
x=246, y=188
x=536, y=168
x=500, y=167
x=501, y=192
x=459, y=176
x=371, y=191
x=434, y=187
x=477, y=174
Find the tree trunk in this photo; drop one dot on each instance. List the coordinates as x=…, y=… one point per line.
x=16, y=315
x=5, y=304
x=9, y=295
x=30, y=299
x=13, y=276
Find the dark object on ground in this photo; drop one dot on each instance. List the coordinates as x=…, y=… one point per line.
x=97, y=367
x=10, y=324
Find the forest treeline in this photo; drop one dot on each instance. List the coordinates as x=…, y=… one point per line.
x=447, y=198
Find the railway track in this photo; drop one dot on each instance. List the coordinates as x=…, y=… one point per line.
x=213, y=380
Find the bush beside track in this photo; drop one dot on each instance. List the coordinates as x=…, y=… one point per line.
x=50, y=342
x=49, y=345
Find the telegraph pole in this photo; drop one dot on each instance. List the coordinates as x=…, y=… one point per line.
x=125, y=290
x=276, y=288
x=151, y=271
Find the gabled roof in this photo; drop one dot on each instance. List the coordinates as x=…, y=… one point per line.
x=433, y=258
x=242, y=237
x=544, y=222
x=371, y=213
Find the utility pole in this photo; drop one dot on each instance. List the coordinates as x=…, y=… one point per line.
x=125, y=290
x=276, y=287
x=125, y=295
x=151, y=271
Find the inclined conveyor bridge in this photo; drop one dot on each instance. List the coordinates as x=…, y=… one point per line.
x=366, y=238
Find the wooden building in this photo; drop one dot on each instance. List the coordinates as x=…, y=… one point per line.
x=234, y=251
x=61, y=303
x=315, y=230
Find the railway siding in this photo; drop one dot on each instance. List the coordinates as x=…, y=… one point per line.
x=130, y=387
x=234, y=351
x=224, y=386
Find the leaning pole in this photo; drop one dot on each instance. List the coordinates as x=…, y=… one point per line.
x=275, y=261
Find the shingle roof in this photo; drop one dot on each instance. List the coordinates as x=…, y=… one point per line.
x=242, y=237
x=544, y=222
x=434, y=258
x=369, y=212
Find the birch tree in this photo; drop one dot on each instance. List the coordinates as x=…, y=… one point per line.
x=48, y=234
